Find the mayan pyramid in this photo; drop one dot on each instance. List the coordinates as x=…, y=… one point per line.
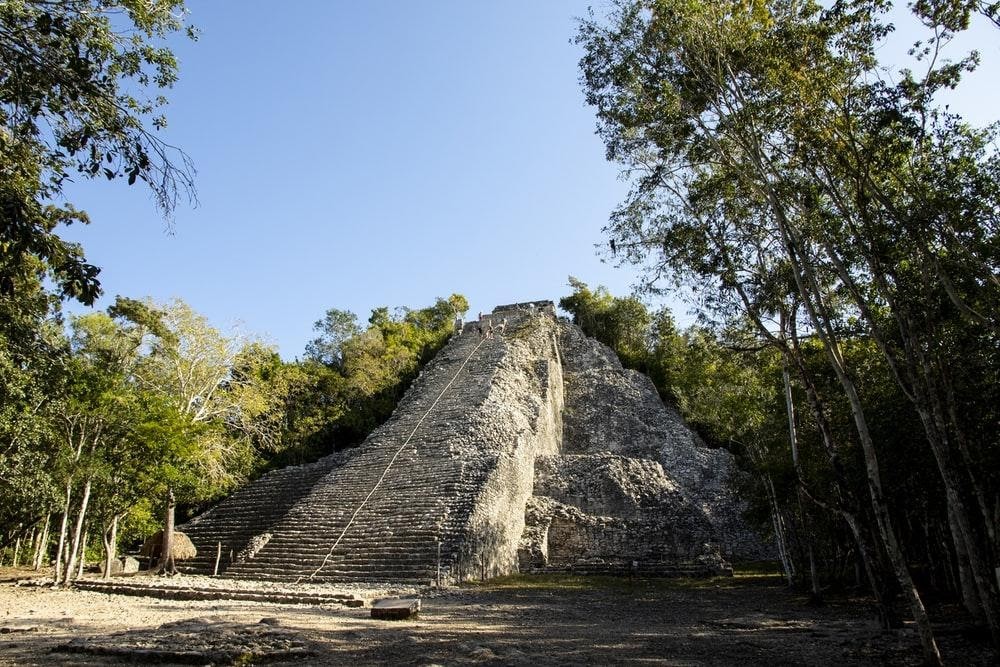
x=533, y=450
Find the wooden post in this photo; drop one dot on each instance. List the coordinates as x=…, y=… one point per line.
x=218, y=555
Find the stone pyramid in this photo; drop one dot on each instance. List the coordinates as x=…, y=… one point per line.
x=532, y=450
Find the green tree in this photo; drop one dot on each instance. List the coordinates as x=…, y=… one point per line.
x=33, y=351
x=352, y=379
x=334, y=329
x=218, y=383
x=94, y=418
x=622, y=323
x=79, y=96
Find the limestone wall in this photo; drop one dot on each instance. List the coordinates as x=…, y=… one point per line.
x=610, y=409
x=520, y=420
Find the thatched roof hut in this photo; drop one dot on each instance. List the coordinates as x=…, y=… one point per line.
x=180, y=546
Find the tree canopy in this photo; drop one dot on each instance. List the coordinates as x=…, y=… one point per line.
x=79, y=96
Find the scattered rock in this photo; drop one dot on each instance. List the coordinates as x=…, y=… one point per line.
x=483, y=653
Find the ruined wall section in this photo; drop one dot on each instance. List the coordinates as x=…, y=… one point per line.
x=520, y=420
x=628, y=455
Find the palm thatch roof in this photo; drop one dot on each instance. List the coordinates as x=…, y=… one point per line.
x=180, y=546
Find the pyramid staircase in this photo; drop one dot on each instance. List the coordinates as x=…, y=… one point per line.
x=380, y=513
x=228, y=527
x=439, y=492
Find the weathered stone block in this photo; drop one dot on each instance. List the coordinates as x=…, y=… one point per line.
x=395, y=610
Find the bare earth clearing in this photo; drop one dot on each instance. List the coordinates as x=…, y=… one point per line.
x=547, y=621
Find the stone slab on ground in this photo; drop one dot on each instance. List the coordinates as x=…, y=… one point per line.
x=198, y=641
x=10, y=629
x=396, y=609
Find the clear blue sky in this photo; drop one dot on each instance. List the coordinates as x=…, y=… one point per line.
x=360, y=154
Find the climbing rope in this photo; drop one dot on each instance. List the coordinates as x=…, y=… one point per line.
x=391, y=461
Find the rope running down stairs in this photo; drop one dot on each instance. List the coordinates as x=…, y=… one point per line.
x=391, y=461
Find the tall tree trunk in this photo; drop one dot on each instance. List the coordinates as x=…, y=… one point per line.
x=787, y=564
x=967, y=584
x=42, y=547
x=83, y=553
x=846, y=504
x=808, y=288
x=963, y=531
x=17, y=552
x=78, y=532
x=166, y=545
x=915, y=373
x=110, y=539
x=63, y=527
x=815, y=595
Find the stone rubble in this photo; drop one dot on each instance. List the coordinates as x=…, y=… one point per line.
x=199, y=641
x=650, y=495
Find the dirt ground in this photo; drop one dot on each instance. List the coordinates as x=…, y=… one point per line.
x=517, y=621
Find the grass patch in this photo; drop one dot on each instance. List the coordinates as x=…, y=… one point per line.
x=761, y=568
x=552, y=582
x=762, y=573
